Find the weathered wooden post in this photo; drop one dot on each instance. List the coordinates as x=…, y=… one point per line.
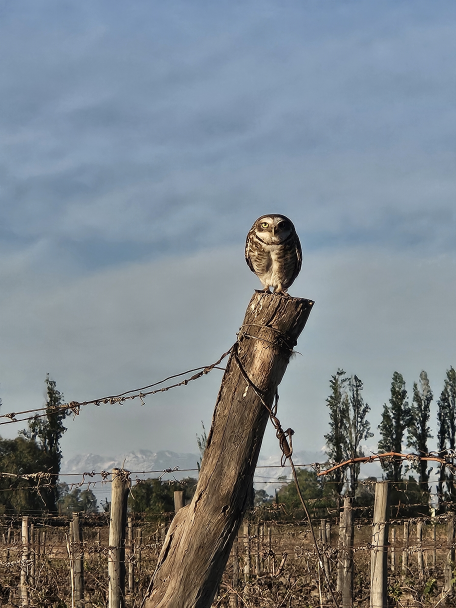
x=324, y=544
x=345, y=571
x=116, y=552
x=201, y=535
x=78, y=564
x=138, y=549
x=234, y=594
x=419, y=554
x=448, y=572
x=434, y=544
x=257, y=551
x=32, y=554
x=405, y=549
x=246, y=552
x=270, y=568
x=379, y=553
x=130, y=557
x=24, y=561
x=393, y=548
x=179, y=501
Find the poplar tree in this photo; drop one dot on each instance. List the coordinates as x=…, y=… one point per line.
x=395, y=420
x=357, y=426
x=446, y=417
x=348, y=426
x=419, y=431
x=336, y=439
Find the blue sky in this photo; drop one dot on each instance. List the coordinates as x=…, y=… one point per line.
x=139, y=142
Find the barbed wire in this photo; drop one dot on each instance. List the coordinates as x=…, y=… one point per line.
x=392, y=457
x=139, y=393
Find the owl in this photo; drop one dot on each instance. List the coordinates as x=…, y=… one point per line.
x=273, y=252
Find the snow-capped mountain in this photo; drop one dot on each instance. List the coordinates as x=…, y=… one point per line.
x=140, y=462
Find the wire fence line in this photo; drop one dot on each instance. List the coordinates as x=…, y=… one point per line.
x=318, y=467
x=74, y=407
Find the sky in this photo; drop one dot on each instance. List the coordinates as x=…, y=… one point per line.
x=139, y=142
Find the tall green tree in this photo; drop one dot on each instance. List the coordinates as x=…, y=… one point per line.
x=47, y=432
x=336, y=439
x=419, y=432
x=76, y=500
x=21, y=456
x=395, y=421
x=358, y=427
x=446, y=418
x=348, y=425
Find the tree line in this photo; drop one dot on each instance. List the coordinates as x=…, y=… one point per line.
x=405, y=424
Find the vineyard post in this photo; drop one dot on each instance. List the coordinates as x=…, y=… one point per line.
x=419, y=554
x=257, y=551
x=324, y=543
x=393, y=548
x=233, y=595
x=32, y=554
x=449, y=565
x=131, y=562
x=340, y=567
x=379, y=571
x=24, y=561
x=246, y=552
x=178, y=500
x=199, y=540
x=405, y=549
x=116, y=551
x=346, y=579
x=138, y=549
x=78, y=557
x=434, y=544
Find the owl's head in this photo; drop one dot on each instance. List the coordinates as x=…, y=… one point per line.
x=273, y=229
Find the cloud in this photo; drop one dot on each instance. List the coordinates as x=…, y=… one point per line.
x=176, y=128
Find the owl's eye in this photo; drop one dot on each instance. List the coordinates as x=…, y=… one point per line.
x=264, y=224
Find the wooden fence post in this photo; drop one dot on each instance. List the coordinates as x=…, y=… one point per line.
x=405, y=549
x=449, y=565
x=233, y=595
x=393, y=548
x=116, y=552
x=379, y=572
x=201, y=535
x=434, y=544
x=32, y=554
x=24, y=561
x=78, y=565
x=419, y=554
x=179, y=500
x=324, y=544
x=345, y=571
x=130, y=557
x=257, y=551
x=138, y=549
x=246, y=552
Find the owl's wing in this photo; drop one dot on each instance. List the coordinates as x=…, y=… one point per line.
x=298, y=258
x=248, y=251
